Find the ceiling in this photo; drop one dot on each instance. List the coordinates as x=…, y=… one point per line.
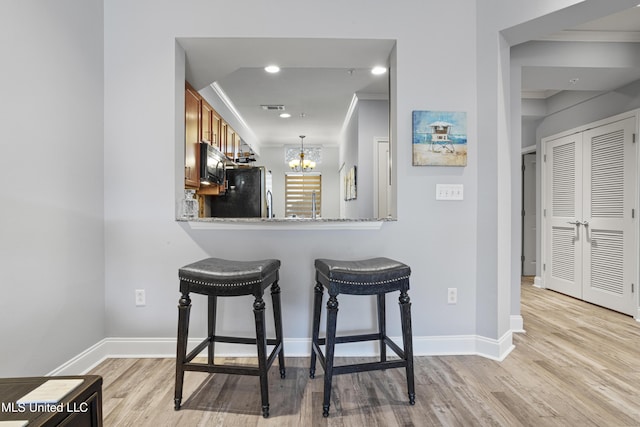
x=316, y=83
x=544, y=82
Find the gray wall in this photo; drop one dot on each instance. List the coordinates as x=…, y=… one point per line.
x=465, y=244
x=51, y=183
x=145, y=246
x=370, y=119
x=373, y=122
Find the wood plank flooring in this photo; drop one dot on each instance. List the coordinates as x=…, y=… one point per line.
x=576, y=365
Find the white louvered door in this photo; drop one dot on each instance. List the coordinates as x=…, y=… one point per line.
x=609, y=197
x=590, y=235
x=563, y=238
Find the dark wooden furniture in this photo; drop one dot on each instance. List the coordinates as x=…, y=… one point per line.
x=81, y=407
x=215, y=278
x=376, y=276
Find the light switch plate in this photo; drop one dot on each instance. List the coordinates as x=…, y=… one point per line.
x=449, y=191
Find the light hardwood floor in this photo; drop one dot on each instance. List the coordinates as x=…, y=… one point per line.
x=576, y=365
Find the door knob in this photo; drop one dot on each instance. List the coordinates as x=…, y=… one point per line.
x=574, y=222
x=585, y=223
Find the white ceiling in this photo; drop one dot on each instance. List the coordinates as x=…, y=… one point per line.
x=623, y=27
x=316, y=84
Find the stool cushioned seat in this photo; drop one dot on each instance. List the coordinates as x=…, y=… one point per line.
x=375, y=276
x=375, y=271
x=215, y=277
x=221, y=276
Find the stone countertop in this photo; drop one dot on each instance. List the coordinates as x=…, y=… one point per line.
x=285, y=223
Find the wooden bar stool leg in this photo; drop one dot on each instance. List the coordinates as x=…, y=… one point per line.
x=317, y=312
x=213, y=301
x=405, y=314
x=277, y=319
x=382, y=326
x=261, y=344
x=184, y=308
x=332, y=316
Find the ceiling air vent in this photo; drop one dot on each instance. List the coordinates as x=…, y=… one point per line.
x=273, y=107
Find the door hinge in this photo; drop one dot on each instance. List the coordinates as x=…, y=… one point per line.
x=633, y=213
x=522, y=214
x=544, y=158
x=544, y=212
x=522, y=258
x=632, y=288
x=634, y=138
x=544, y=267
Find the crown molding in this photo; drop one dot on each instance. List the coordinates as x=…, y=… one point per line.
x=594, y=36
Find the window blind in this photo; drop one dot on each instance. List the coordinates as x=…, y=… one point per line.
x=299, y=189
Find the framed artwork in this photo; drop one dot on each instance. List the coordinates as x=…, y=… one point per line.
x=439, y=138
x=351, y=184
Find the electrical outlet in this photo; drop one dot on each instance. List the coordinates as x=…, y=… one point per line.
x=452, y=296
x=141, y=299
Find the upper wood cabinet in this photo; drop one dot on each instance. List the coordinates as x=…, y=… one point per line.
x=193, y=135
x=231, y=143
x=203, y=123
x=206, y=127
x=223, y=136
x=216, y=122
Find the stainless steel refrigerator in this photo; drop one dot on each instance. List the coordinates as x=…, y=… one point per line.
x=246, y=194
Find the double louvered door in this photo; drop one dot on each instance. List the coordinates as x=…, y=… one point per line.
x=590, y=229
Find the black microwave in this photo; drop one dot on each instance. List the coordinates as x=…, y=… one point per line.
x=212, y=163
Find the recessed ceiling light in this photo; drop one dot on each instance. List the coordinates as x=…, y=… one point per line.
x=378, y=70
x=285, y=115
x=272, y=69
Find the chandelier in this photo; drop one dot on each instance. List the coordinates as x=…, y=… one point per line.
x=301, y=164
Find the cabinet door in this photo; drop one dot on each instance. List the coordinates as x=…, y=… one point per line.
x=564, y=233
x=223, y=136
x=192, y=105
x=590, y=200
x=215, y=129
x=609, y=223
x=231, y=143
x=207, y=123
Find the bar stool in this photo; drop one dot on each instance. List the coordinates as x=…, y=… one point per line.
x=216, y=277
x=376, y=276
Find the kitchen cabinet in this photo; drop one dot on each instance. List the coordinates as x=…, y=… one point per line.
x=206, y=125
x=193, y=135
x=210, y=126
x=223, y=136
x=203, y=123
x=231, y=143
x=215, y=128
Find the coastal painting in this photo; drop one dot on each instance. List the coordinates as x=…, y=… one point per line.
x=439, y=138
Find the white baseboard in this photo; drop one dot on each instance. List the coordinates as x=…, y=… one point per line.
x=516, y=324
x=294, y=347
x=538, y=282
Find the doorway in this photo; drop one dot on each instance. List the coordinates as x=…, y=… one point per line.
x=382, y=178
x=528, y=256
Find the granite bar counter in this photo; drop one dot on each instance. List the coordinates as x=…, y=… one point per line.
x=285, y=223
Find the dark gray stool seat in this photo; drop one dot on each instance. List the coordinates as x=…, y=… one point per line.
x=216, y=277
x=376, y=276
